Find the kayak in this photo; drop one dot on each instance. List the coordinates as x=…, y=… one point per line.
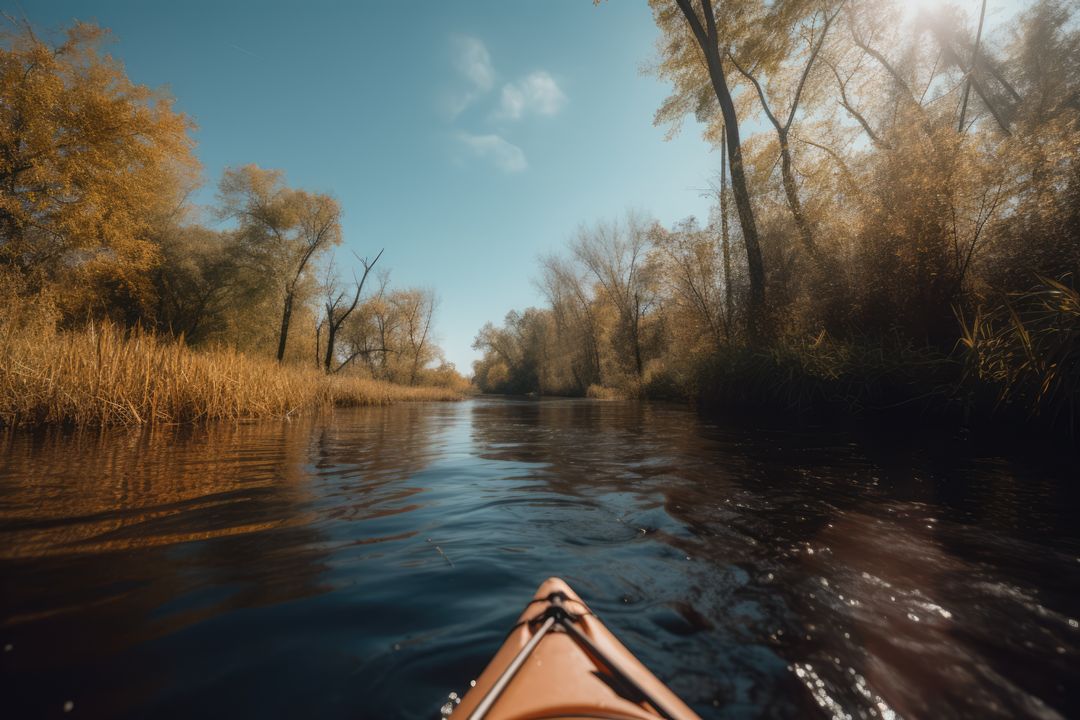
x=559, y=661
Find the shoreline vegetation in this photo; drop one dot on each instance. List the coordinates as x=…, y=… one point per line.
x=899, y=235
x=105, y=376
x=894, y=232
x=122, y=302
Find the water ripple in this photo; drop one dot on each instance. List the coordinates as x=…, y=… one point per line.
x=368, y=563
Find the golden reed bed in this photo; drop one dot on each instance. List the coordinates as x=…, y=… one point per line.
x=106, y=376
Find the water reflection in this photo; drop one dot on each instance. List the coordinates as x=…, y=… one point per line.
x=366, y=564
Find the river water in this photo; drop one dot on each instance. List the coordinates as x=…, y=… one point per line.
x=366, y=564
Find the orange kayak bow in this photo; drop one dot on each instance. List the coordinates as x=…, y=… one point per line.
x=559, y=661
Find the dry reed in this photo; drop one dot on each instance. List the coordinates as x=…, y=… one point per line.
x=107, y=376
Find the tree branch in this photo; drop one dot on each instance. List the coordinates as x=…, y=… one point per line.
x=760, y=92
x=846, y=104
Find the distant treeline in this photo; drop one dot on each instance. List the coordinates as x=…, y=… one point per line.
x=96, y=225
x=905, y=232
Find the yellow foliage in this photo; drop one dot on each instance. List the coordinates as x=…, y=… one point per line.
x=90, y=163
x=104, y=376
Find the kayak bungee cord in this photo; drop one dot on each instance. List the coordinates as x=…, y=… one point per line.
x=558, y=614
x=510, y=671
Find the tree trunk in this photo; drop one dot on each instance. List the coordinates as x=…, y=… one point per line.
x=725, y=240
x=331, y=336
x=792, y=193
x=638, y=363
x=755, y=264
x=286, y=316
x=971, y=71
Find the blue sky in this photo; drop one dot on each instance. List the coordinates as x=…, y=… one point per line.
x=465, y=138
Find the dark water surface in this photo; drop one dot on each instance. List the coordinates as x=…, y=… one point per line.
x=366, y=564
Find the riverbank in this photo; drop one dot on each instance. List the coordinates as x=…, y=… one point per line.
x=103, y=376
x=827, y=377
x=1003, y=382
x=1015, y=370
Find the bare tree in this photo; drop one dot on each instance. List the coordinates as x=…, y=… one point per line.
x=336, y=313
x=692, y=277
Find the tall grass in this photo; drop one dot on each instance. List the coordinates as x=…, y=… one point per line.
x=1028, y=348
x=106, y=376
x=1017, y=364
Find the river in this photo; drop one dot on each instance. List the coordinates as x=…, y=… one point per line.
x=368, y=563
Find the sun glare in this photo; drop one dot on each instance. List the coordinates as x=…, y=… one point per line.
x=912, y=9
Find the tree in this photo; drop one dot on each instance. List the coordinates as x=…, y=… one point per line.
x=369, y=333
x=683, y=64
x=615, y=255
x=769, y=58
x=692, y=271
x=196, y=279
x=416, y=309
x=515, y=355
x=971, y=70
x=575, y=319
x=90, y=164
x=285, y=230
x=336, y=313
x=725, y=242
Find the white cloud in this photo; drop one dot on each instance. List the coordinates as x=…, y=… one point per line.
x=473, y=61
x=506, y=156
x=535, y=93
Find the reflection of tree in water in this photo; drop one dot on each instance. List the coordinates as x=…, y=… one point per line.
x=120, y=540
x=113, y=540
x=582, y=445
x=359, y=459
x=123, y=490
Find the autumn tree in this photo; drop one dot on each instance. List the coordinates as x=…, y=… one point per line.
x=391, y=336
x=515, y=356
x=929, y=167
x=286, y=231
x=196, y=281
x=693, y=51
x=781, y=30
x=615, y=255
x=691, y=267
x=417, y=311
x=577, y=325
x=368, y=335
x=90, y=165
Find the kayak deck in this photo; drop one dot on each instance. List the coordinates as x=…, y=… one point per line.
x=559, y=661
